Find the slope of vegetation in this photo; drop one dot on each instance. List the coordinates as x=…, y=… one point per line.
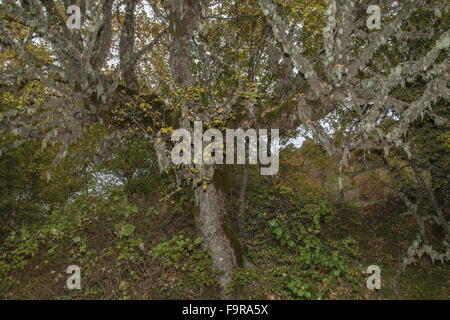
x=300, y=238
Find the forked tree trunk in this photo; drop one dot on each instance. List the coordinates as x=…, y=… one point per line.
x=216, y=228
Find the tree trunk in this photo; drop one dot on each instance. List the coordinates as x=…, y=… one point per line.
x=215, y=227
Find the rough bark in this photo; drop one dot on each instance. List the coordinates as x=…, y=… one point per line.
x=215, y=227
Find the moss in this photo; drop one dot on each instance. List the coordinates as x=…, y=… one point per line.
x=173, y=119
x=238, y=109
x=196, y=214
x=127, y=90
x=234, y=240
x=284, y=108
x=223, y=180
x=287, y=107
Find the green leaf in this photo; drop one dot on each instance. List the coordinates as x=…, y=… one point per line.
x=128, y=229
x=76, y=239
x=278, y=231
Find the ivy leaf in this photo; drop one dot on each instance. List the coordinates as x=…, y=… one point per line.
x=128, y=230
x=278, y=231
x=76, y=239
